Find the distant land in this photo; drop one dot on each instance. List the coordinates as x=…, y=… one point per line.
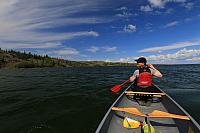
x=16, y=59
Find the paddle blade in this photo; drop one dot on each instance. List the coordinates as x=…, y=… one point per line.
x=116, y=88
x=161, y=114
x=133, y=111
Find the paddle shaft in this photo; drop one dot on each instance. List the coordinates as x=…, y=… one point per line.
x=124, y=83
x=154, y=114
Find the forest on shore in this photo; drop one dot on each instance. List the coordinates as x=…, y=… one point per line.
x=17, y=59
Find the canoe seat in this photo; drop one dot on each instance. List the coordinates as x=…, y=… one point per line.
x=144, y=94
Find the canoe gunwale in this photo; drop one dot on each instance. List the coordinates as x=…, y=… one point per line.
x=181, y=108
x=110, y=109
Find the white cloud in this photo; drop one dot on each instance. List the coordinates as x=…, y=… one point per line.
x=146, y=8
x=194, y=59
x=159, y=4
x=27, y=21
x=93, y=49
x=181, y=56
x=109, y=49
x=29, y=45
x=176, y=0
x=129, y=28
x=124, y=14
x=188, y=5
x=108, y=60
x=162, y=3
x=65, y=52
x=125, y=60
x=44, y=37
x=122, y=8
x=171, y=24
x=172, y=46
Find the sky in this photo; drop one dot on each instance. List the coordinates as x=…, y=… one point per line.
x=163, y=31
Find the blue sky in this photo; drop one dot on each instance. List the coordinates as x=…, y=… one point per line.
x=164, y=31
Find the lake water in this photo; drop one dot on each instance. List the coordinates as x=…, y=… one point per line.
x=74, y=100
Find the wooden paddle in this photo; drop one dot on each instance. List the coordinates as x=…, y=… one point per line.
x=161, y=114
x=133, y=111
x=154, y=114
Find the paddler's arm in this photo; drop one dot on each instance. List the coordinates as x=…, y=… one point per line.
x=156, y=72
x=132, y=78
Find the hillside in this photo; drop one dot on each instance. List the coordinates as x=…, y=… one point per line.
x=16, y=59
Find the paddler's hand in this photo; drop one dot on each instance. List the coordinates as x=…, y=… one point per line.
x=151, y=66
x=156, y=72
x=132, y=78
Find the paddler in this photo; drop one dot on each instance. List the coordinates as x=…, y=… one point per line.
x=143, y=74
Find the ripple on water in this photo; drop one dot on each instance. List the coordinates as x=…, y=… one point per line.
x=56, y=99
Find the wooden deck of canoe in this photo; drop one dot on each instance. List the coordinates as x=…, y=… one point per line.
x=112, y=121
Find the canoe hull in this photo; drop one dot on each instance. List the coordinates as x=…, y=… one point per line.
x=112, y=121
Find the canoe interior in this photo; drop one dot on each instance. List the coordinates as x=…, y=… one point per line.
x=112, y=122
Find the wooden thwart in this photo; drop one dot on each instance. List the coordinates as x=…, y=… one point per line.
x=143, y=93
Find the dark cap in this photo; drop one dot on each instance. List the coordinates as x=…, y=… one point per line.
x=141, y=60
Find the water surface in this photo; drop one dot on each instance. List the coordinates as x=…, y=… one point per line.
x=60, y=100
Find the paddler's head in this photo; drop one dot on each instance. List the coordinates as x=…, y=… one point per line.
x=141, y=62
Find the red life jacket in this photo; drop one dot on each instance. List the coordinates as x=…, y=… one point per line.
x=145, y=77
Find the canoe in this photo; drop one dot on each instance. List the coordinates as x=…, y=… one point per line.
x=145, y=103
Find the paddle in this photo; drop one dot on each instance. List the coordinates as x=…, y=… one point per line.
x=154, y=114
x=117, y=88
x=161, y=114
x=133, y=111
